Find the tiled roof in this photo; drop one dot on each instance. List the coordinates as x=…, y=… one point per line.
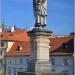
x=17, y=35
x=21, y=38
x=4, y=35
x=14, y=51
x=62, y=45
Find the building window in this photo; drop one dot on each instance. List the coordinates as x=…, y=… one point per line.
x=65, y=45
x=53, y=61
x=15, y=61
x=19, y=48
x=65, y=73
x=20, y=69
x=65, y=61
x=21, y=61
x=9, y=72
x=9, y=61
x=53, y=69
x=2, y=44
x=14, y=70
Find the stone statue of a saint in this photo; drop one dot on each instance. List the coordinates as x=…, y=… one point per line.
x=40, y=12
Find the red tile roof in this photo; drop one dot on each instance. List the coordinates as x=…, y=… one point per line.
x=57, y=45
x=22, y=39
x=17, y=35
x=14, y=51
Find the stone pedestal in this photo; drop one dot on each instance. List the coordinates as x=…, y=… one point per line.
x=42, y=67
x=40, y=50
x=40, y=64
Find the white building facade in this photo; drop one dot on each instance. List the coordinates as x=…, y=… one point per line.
x=63, y=64
x=16, y=64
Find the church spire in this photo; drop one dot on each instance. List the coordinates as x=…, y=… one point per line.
x=3, y=26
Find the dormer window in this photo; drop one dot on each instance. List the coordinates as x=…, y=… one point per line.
x=65, y=45
x=19, y=48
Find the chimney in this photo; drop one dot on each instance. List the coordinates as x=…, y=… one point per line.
x=12, y=28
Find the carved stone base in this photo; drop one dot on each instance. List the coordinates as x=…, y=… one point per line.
x=42, y=66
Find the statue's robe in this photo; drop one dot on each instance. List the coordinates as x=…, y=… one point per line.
x=40, y=11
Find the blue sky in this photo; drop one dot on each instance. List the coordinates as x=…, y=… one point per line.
x=60, y=17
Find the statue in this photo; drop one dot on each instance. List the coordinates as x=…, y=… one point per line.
x=40, y=12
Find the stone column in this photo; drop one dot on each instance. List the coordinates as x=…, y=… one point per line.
x=40, y=64
x=40, y=51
